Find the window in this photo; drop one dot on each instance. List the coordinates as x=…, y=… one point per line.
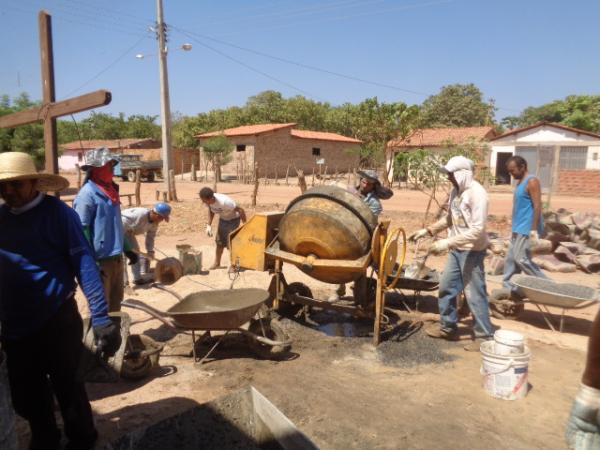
x=316, y=151
x=240, y=148
x=573, y=158
x=595, y=156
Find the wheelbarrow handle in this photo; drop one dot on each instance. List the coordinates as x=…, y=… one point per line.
x=265, y=340
x=162, y=287
x=156, y=313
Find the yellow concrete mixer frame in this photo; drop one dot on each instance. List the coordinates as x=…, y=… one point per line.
x=255, y=246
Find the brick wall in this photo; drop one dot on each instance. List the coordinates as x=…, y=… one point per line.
x=580, y=182
x=280, y=149
x=274, y=151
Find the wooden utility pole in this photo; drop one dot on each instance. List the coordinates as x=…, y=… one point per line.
x=50, y=108
x=165, y=106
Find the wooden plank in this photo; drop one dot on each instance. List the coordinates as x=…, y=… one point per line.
x=48, y=90
x=62, y=108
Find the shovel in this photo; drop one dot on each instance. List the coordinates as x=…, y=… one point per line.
x=415, y=269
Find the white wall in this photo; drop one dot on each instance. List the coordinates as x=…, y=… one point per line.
x=547, y=135
x=593, y=152
x=494, y=154
x=67, y=161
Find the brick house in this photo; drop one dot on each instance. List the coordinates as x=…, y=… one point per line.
x=276, y=146
x=438, y=140
x=565, y=159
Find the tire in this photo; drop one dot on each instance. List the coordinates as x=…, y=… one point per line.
x=274, y=331
x=136, y=368
x=131, y=176
x=289, y=308
x=504, y=306
x=150, y=177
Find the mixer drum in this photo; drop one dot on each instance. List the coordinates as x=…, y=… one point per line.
x=330, y=223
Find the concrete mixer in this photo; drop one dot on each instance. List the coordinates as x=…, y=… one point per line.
x=331, y=235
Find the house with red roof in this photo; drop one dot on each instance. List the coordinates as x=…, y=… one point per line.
x=565, y=159
x=71, y=153
x=439, y=140
x=277, y=146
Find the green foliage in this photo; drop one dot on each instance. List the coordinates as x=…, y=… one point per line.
x=218, y=151
x=107, y=126
x=26, y=138
x=577, y=111
x=458, y=105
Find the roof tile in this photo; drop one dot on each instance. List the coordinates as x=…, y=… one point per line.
x=435, y=137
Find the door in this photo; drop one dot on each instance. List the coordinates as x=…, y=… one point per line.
x=539, y=162
x=502, y=175
x=544, y=171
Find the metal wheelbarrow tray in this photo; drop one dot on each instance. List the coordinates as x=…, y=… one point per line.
x=430, y=282
x=544, y=292
x=221, y=310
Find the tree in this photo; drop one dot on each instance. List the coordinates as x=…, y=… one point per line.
x=458, y=105
x=25, y=138
x=577, y=111
x=218, y=152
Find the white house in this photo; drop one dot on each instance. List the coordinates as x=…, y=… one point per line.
x=541, y=145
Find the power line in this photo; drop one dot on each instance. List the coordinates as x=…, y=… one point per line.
x=299, y=64
x=113, y=63
x=249, y=67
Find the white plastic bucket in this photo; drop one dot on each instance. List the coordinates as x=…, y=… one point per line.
x=504, y=376
x=508, y=342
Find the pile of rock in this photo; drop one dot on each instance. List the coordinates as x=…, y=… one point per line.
x=575, y=239
x=572, y=241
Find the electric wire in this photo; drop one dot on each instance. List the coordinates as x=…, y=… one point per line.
x=112, y=64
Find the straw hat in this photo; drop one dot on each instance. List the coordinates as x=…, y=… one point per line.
x=20, y=166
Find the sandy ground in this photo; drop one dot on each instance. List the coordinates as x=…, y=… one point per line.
x=341, y=391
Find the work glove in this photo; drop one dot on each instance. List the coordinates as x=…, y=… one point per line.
x=208, y=230
x=533, y=238
x=108, y=339
x=439, y=247
x=423, y=232
x=132, y=257
x=583, y=427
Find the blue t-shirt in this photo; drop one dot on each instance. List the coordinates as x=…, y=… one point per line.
x=103, y=217
x=522, y=215
x=42, y=252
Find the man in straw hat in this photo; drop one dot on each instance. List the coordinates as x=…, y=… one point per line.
x=467, y=243
x=98, y=206
x=42, y=252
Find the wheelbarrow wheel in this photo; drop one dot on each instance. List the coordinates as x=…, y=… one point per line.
x=272, y=330
x=289, y=308
x=142, y=354
x=504, y=306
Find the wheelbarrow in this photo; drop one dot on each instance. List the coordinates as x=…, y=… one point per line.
x=543, y=293
x=223, y=310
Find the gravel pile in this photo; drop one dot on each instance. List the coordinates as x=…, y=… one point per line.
x=566, y=289
x=409, y=346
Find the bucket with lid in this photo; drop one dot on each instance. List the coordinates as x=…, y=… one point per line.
x=504, y=376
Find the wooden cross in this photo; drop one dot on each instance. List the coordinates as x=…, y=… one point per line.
x=51, y=109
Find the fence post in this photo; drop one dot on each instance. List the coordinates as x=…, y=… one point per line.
x=287, y=175
x=172, y=184
x=194, y=177
x=138, y=184
x=256, y=182
x=301, y=180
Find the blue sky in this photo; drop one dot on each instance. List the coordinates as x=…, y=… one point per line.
x=518, y=52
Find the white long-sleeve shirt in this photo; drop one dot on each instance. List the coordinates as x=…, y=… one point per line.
x=137, y=221
x=467, y=215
